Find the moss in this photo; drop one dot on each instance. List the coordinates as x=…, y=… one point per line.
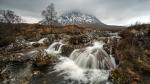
x=53, y=58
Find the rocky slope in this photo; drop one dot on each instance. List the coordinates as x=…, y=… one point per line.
x=133, y=56
x=84, y=20
x=76, y=17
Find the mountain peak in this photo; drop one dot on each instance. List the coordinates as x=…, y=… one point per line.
x=78, y=18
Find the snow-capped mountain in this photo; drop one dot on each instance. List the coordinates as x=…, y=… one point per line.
x=78, y=18
x=81, y=19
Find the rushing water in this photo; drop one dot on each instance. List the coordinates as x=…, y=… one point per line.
x=90, y=65
x=55, y=48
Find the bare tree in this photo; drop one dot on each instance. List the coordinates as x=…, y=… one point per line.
x=49, y=14
x=8, y=16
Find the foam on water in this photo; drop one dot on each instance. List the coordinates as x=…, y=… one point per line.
x=55, y=48
x=41, y=41
x=90, y=65
x=75, y=73
x=71, y=69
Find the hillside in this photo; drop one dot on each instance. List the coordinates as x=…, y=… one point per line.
x=8, y=32
x=133, y=55
x=27, y=44
x=84, y=20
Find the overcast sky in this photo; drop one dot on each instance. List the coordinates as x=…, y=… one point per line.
x=113, y=12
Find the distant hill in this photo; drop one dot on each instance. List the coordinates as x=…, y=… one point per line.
x=84, y=20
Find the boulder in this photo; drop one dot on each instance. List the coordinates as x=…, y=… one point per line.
x=66, y=50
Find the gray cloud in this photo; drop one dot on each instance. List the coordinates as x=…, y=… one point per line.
x=108, y=11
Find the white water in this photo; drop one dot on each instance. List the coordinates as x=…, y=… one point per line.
x=41, y=41
x=55, y=48
x=88, y=65
x=75, y=73
x=93, y=57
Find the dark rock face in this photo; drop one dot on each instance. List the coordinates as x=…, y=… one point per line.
x=66, y=50
x=35, y=44
x=77, y=40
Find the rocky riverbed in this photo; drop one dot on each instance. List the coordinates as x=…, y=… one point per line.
x=26, y=61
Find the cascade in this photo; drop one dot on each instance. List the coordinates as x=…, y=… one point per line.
x=90, y=65
x=55, y=48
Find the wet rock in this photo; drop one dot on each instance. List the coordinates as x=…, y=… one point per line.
x=36, y=44
x=76, y=40
x=40, y=57
x=66, y=50
x=18, y=45
x=38, y=78
x=44, y=41
x=16, y=72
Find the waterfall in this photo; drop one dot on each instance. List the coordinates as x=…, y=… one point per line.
x=90, y=65
x=55, y=48
x=112, y=58
x=93, y=57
